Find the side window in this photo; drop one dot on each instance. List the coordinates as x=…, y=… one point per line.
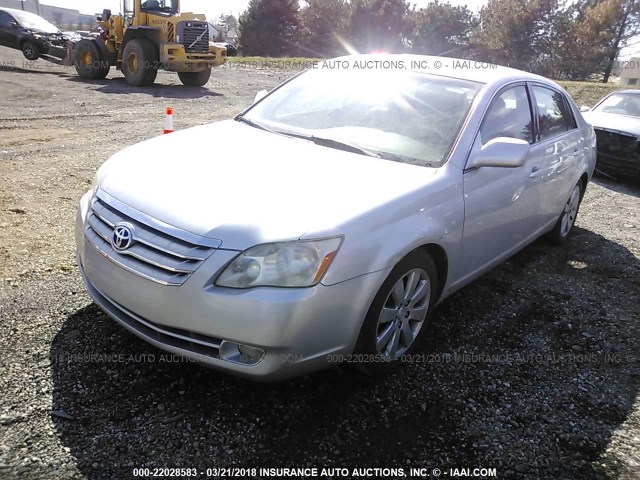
x=552, y=116
x=128, y=12
x=508, y=116
x=5, y=19
x=570, y=119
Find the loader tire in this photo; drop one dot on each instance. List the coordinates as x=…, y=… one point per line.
x=88, y=61
x=195, y=79
x=140, y=62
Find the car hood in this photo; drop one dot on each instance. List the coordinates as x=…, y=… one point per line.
x=613, y=122
x=246, y=186
x=43, y=31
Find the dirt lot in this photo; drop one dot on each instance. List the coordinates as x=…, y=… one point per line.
x=535, y=368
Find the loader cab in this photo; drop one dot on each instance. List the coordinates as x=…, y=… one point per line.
x=128, y=12
x=159, y=7
x=132, y=8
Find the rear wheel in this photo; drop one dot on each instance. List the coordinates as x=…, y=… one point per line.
x=30, y=51
x=567, y=219
x=395, y=323
x=195, y=79
x=88, y=61
x=140, y=62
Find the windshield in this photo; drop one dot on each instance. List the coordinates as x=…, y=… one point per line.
x=403, y=116
x=621, y=104
x=168, y=6
x=34, y=22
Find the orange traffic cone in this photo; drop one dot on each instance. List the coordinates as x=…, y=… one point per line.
x=168, y=121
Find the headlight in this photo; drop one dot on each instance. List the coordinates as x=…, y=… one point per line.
x=284, y=264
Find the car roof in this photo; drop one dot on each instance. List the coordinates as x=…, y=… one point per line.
x=16, y=13
x=12, y=11
x=465, y=69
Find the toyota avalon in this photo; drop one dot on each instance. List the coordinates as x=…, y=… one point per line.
x=344, y=205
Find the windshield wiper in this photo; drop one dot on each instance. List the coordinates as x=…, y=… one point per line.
x=325, y=142
x=332, y=143
x=347, y=147
x=240, y=118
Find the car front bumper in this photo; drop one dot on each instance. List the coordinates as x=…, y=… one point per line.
x=300, y=330
x=618, y=154
x=54, y=46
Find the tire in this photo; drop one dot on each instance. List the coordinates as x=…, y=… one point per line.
x=195, y=79
x=567, y=219
x=30, y=51
x=140, y=62
x=88, y=61
x=395, y=323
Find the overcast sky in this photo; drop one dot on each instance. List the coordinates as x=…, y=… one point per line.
x=212, y=8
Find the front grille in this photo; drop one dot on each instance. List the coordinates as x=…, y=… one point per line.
x=618, y=153
x=194, y=36
x=154, y=255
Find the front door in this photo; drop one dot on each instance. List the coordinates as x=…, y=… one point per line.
x=501, y=204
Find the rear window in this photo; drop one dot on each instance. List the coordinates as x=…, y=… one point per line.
x=553, y=118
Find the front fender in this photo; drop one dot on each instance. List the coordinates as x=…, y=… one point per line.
x=378, y=240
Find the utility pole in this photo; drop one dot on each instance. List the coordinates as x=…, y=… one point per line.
x=38, y=6
x=22, y=3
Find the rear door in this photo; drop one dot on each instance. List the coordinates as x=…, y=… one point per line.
x=558, y=144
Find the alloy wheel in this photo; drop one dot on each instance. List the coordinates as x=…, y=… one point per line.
x=570, y=212
x=29, y=52
x=403, y=313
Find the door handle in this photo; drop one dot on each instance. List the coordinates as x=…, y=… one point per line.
x=534, y=172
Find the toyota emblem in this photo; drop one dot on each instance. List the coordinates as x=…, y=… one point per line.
x=122, y=237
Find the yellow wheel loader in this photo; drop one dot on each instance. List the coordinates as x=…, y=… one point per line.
x=150, y=35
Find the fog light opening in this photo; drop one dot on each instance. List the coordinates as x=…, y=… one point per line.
x=242, y=354
x=252, y=354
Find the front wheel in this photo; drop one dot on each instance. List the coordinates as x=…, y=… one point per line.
x=567, y=219
x=395, y=323
x=195, y=79
x=140, y=62
x=30, y=51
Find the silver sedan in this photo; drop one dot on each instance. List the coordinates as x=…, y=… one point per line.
x=341, y=208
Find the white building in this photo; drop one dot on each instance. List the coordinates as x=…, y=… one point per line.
x=64, y=18
x=630, y=72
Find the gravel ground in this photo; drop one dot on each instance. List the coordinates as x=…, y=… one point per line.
x=533, y=369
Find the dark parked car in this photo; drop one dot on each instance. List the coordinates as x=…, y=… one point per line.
x=616, y=120
x=33, y=35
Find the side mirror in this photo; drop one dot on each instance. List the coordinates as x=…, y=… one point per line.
x=500, y=152
x=584, y=108
x=260, y=95
x=99, y=18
